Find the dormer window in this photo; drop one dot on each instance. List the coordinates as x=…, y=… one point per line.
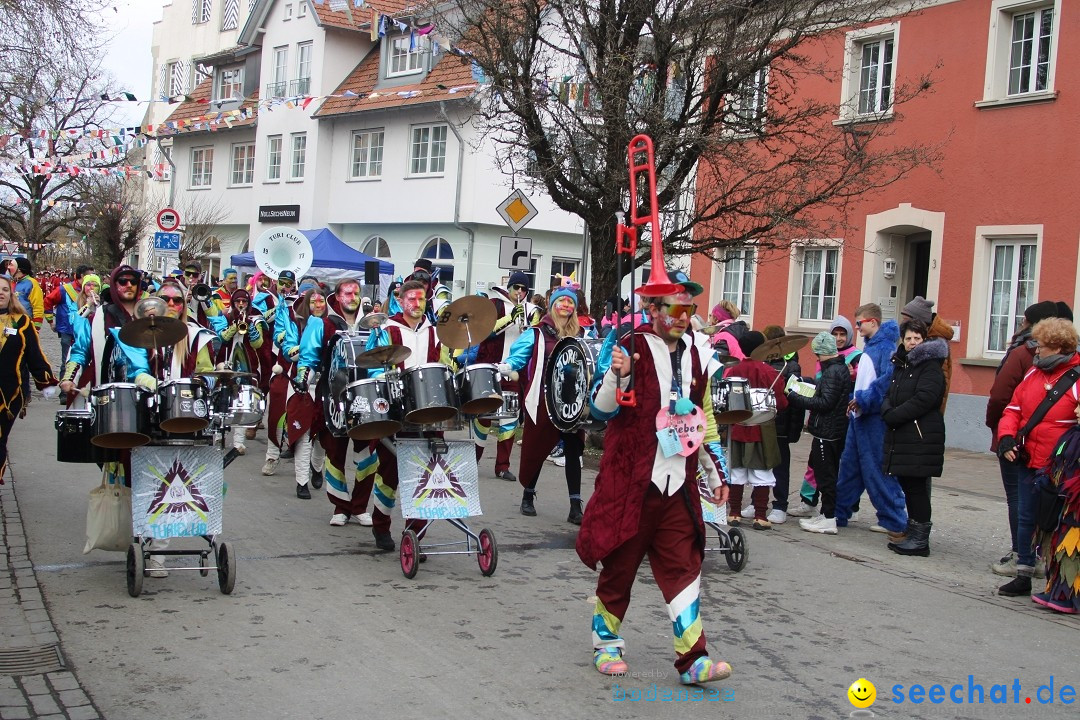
x=229, y=84
x=406, y=56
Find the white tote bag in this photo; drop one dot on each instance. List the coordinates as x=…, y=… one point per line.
x=108, y=518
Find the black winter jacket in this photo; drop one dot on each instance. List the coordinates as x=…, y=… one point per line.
x=914, y=427
x=789, y=422
x=828, y=407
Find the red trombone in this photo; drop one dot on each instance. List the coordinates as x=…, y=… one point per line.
x=641, y=162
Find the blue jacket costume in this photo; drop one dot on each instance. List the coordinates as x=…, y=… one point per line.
x=860, y=464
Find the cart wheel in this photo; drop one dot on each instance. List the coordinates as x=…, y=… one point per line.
x=204, y=565
x=736, y=556
x=488, y=555
x=409, y=553
x=226, y=569
x=136, y=565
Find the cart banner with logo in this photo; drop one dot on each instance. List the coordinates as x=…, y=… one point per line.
x=176, y=491
x=710, y=511
x=434, y=486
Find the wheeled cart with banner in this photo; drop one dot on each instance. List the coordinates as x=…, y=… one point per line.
x=437, y=480
x=178, y=491
x=732, y=540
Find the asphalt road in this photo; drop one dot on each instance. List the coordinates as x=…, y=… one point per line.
x=322, y=625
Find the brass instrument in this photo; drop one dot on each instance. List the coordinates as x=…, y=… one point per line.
x=202, y=293
x=242, y=327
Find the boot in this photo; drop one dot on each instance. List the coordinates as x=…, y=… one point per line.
x=527, y=503
x=735, y=497
x=316, y=478
x=917, y=541
x=575, y=515
x=1020, y=585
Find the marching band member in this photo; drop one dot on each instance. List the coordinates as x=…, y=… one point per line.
x=200, y=312
x=286, y=338
x=316, y=349
x=413, y=329
x=304, y=412
x=223, y=295
x=19, y=348
x=100, y=356
x=515, y=315
x=530, y=353
x=438, y=294
x=240, y=343
x=646, y=500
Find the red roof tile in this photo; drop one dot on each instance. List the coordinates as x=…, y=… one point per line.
x=361, y=17
x=196, y=114
x=451, y=71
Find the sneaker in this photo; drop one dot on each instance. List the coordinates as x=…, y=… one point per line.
x=762, y=524
x=560, y=461
x=803, y=511
x=854, y=517
x=1019, y=585
x=874, y=528
x=156, y=567
x=1005, y=566
x=558, y=452
x=819, y=524
x=303, y=493
x=339, y=519
x=777, y=517
x=748, y=512
x=1059, y=605
x=240, y=449
x=506, y=475
x=364, y=519
x=609, y=661
x=704, y=670
x=249, y=434
x=270, y=467
x=734, y=520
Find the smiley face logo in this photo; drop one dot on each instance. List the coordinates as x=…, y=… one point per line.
x=862, y=693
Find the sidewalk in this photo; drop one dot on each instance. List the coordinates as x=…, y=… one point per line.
x=34, y=682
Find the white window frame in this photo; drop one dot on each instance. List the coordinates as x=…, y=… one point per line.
x=366, y=160
x=576, y=262
x=305, y=51
x=987, y=239
x=202, y=167
x=744, y=261
x=423, y=160
x=242, y=172
x=379, y=243
x=235, y=87
x=201, y=10
x=280, y=72
x=297, y=156
x=287, y=13
x=438, y=260
x=301, y=9
x=402, y=61
x=851, y=83
x=274, y=150
x=799, y=248
x=741, y=119
x=999, y=52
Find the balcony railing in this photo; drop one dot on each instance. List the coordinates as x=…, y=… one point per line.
x=276, y=89
x=299, y=86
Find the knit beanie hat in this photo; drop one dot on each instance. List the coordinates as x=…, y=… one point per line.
x=750, y=342
x=823, y=344
x=1063, y=311
x=1040, y=311
x=920, y=309
x=563, y=292
x=91, y=278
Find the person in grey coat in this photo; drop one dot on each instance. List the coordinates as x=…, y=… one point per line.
x=915, y=429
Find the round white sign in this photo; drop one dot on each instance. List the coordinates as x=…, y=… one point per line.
x=282, y=248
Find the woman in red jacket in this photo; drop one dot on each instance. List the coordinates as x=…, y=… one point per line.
x=1056, y=340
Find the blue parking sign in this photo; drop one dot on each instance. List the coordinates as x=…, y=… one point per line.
x=167, y=241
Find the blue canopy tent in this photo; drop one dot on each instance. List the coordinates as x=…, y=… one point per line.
x=334, y=261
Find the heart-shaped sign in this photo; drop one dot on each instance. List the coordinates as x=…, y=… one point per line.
x=689, y=427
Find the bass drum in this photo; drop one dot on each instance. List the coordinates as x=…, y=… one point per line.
x=568, y=377
x=74, y=429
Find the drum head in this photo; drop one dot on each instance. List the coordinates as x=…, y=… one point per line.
x=732, y=417
x=375, y=430
x=567, y=381
x=432, y=415
x=184, y=425
x=120, y=441
x=483, y=406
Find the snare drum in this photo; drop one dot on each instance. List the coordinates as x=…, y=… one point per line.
x=74, y=431
x=182, y=406
x=479, y=389
x=343, y=369
x=122, y=416
x=510, y=409
x=763, y=403
x=247, y=406
x=370, y=413
x=731, y=400
x=428, y=394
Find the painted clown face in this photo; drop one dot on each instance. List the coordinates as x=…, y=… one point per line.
x=671, y=316
x=563, y=308
x=413, y=304
x=349, y=298
x=317, y=305
x=230, y=282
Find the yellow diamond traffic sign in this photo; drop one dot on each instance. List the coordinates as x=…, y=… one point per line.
x=516, y=210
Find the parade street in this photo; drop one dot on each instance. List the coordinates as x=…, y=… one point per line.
x=322, y=625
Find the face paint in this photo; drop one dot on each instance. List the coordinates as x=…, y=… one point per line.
x=349, y=298
x=317, y=305
x=413, y=304
x=564, y=307
x=230, y=282
x=670, y=328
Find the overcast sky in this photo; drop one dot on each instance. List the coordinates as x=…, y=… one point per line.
x=128, y=56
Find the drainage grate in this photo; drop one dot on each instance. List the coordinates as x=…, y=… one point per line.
x=30, y=661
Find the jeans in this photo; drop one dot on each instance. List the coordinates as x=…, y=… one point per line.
x=1009, y=473
x=1027, y=497
x=66, y=341
x=782, y=473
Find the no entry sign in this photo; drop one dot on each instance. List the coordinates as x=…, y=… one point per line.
x=168, y=220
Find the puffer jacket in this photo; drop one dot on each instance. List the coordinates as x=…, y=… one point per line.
x=828, y=406
x=1028, y=395
x=915, y=428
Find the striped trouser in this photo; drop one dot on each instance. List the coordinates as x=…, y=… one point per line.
x=668, y=534
x=504, y=436
x=346, y=501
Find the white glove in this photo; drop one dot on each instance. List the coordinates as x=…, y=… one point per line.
x=147, y=381
x=505, y=369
